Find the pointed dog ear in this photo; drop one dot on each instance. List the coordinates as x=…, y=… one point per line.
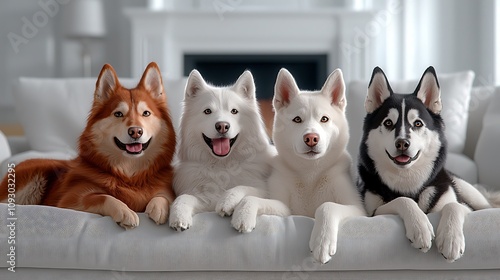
x=106, y=84
x=429, y=92
x=151, y=81
x=245, y=85
x=378, y=90
x=285, y=89
x=334, y=89
x=195, y=84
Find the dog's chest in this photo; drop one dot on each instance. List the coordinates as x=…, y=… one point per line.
x=307, y=195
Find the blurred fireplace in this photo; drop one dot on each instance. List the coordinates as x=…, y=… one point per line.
x=309, y=70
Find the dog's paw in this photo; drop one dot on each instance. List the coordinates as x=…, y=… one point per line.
x=420, y=232
x=450, y=242
x=323, y=243
x=180, y=221
x=228, y=202
x=245, y=215
x=126, y=218
x=157, y=210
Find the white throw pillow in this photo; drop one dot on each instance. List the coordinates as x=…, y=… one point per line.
x=53, y=112
x=455, y=96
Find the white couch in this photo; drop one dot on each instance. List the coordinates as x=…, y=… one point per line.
x=54, y=243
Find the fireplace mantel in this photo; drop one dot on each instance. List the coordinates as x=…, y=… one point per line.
x=165, y=36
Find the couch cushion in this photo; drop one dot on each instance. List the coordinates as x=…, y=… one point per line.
x=463, y=166
x=479, y=101
x=455, y=95
x=50, y=237
x=53, y=112
x=487, y=155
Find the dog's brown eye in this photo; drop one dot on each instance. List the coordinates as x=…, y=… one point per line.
x=118, y=114
x=297, y=119
x=418, y=123
x=207, y=111
x=234, y=111
x=146, y=114
x=324, y=119
x=388, y=123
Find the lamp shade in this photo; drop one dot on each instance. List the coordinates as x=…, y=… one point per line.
x=84, y=19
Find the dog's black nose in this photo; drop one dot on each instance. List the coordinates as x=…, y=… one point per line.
x=222, y=127
x=402, y=144
x=135, y=132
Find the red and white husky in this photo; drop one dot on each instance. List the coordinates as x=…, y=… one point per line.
x=124, y=160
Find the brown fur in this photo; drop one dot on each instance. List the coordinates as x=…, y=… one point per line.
x=102, y=179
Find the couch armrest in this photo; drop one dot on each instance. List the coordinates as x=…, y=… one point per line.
x=18, y=144
x=5, y=151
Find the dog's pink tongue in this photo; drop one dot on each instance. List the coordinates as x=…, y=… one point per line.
x=134, y=148
x=221, y=146
x=403, y=158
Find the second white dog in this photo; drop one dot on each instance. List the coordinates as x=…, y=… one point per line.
x=311, y=174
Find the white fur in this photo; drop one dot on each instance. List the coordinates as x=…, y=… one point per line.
x=312, y=184
x=419, y=229
x=33, y=192
x=202, y=179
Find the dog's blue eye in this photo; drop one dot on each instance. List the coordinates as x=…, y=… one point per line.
x=207, y=111
x=324, y=119
x=297, y=119
x=118, y=114
x=234, y=111
x=146, y=114
x=418, y=123
x=388, y=123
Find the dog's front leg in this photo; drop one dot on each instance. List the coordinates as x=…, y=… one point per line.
x=419, y=229
x=246, y=212
x=158, y=208
x=450, y=239
x=232, y=197
x=182, y=211
x=105, y=205
x=328, y=216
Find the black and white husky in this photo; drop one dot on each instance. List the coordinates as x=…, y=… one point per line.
x=401, y=165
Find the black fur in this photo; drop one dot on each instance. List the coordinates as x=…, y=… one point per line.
x=369, y=179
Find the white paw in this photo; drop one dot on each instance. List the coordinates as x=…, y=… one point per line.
x=420, y=232
x=450, y=242
x=157, y=210
x=126, y=218
x=323, y=242
x=245, y=215
x=228, y=202
x=180, y=221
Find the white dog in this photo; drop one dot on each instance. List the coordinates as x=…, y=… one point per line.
x=223, y=144
x=311, y=174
